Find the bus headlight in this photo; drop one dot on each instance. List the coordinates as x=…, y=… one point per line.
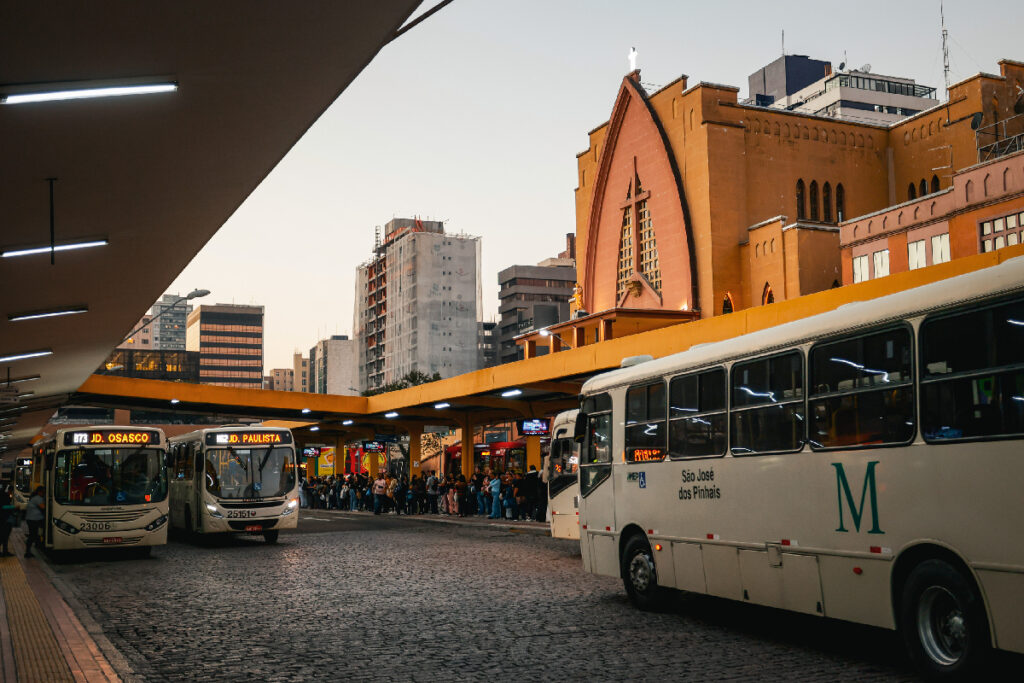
x=64, y=526
x=214, y=512
x=290, y=507
x=156, y=523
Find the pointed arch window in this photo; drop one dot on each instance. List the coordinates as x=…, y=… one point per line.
x=935, y=183
x=814, y=200
x=924, y=188
x=727, y=305
x=911, y=191
x=801, y=212
x=768, y=296
x=840, y=203
x=638, y=248
x=826, y=199
x=625, y=251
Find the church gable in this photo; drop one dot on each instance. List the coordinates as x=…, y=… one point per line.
x=637, y=224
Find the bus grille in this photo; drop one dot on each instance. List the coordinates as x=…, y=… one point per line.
x=112, y=516
x=99, y=541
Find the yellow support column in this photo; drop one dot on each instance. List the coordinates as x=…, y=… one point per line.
x=414, y=450
x=533, y=452
x=468, y=452
x=372, y=460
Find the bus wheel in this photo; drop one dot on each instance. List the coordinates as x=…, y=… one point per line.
x=270, y=535
x=943, y=622
x=639, y=575
x=189, y=531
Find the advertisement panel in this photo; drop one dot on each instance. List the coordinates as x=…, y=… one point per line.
x=325, y=462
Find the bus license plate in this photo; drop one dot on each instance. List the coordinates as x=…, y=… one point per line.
x=112, y=540
x=254, y=527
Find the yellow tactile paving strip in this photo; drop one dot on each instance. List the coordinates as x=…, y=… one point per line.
x=36, y=652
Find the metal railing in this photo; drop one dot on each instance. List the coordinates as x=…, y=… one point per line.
x=1000, y=138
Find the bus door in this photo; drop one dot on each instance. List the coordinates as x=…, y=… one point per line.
x=48, y=476
x=195, y=495
x=597, y=488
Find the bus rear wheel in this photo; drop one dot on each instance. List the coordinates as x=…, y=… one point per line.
x=639, y=574
x=270, y=535
x=943, y=622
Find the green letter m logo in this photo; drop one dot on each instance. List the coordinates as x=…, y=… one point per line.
x=857, y=511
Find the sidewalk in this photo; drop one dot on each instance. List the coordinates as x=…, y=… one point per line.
x=521, y=527
x=41, y=639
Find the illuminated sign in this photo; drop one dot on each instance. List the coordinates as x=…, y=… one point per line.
x=111, y=437
x=374, y=447
x=537, y=427
x=646, y=454
x=24, y=462
x=247, y=438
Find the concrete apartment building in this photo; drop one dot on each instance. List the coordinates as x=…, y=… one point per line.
x=810, y=86
x=333, y=367
x=418, y=301
x=280, y=379
x=532, y=298
x=229, y=339
x=170, y=318
x=300, y=373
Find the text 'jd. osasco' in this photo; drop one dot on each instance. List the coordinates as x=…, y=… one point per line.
x=698, y=485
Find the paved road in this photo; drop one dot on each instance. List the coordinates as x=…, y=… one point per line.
x=386, y=599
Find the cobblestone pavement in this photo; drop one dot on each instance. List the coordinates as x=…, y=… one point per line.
x=428, y=602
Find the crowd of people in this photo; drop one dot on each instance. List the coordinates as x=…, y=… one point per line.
x=508, y=495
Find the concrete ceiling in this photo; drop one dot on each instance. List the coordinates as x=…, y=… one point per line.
x=155, y=175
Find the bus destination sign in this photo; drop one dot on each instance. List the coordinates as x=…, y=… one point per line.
x=111, y=437
x=254, y=438
x=646, y=454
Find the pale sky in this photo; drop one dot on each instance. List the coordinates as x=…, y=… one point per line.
x=475, y=117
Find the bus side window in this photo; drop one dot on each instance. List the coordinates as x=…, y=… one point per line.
x=971, y=375
x=767, y=405
x=698, y=422
x=645, y=423
x=193, y=455
x=862, y=390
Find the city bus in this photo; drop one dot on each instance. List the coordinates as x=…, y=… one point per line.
x=105, y=487
x=234, y=479
x=23, y=485
x=862, y=464
x=560, y=471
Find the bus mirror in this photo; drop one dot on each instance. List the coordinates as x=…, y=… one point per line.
x=580, y=431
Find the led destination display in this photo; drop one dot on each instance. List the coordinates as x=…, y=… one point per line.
x=108, y=437
x=262, y=438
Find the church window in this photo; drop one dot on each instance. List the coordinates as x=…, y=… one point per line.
x=911, y=191
x=768, y=296
x=840, y=203
x=625, y=252
x=924, y=188
x=727, y=305
x=826, y=197
x=637, y=231
x=814, y=200
x=800, y=210
x=648, y=248
x=935, y=183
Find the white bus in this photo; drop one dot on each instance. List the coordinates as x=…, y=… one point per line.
x=563, y=487
x=234, y=479
x=863, y=464
x=106, y=487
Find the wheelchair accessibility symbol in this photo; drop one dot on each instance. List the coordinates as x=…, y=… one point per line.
x=642, y=479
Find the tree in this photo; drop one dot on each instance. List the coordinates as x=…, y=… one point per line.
x=410, y=379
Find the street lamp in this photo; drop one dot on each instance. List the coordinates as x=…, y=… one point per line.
x=191, y=295
x=547, y=333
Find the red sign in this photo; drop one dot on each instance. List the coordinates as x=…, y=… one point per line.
x=112, y=540
x=254, y=527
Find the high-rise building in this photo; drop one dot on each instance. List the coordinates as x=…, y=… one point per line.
x=488, y=344
x=300, y=373
x=809, y=86
x=333, y=366
x=229, y=339
x=140, y=336
x=170, y=316
x=417, y=304
x=534, y=297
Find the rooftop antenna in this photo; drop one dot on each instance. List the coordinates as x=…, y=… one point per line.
x=783, y=42
x=945, y=54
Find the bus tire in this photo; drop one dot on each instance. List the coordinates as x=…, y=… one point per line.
x=943, y=623
x=639, y=574
x=270, y=535
x=189, y=531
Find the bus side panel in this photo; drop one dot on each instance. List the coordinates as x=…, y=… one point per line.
x=864, y=598
x=722, y=569
x=1005, y=594
x=689, y=568
x=605, y=554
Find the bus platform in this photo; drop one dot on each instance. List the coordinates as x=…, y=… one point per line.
x=41, y=639
x=511, y=526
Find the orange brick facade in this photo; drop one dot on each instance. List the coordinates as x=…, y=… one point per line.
x=721, y=178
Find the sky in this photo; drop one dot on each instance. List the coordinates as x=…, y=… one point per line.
x=475, y=117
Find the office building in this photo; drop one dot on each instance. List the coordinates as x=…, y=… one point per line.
x=229, y=339
x=280, y=379
x=300, y=373
x=333, y=366
x=417, y=304
x=488, y=344
x=170, y=317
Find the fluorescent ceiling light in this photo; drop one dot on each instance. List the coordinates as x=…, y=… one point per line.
x=442, y=405
x=175, y=401
x=25, y=354
x=511, y=392
x=55, y=94
x=28, y=251
x=314, y=429
x=15, y=317
x=391, y=414
x=347, y=422
x=305, y=410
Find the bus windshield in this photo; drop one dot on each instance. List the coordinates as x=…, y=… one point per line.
x=250, y=472
x=109, y=476
x=23, y=478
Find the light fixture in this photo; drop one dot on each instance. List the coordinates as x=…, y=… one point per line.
x=347, y=423
x=511, y=392
x=545, y=332
x=25, y=354
x=314, y=428
x=442, y=405
x=305, y=411
x=28, y=251
x=81, y=90
x=16, y=317
x=175, y=401
x=391, y=414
